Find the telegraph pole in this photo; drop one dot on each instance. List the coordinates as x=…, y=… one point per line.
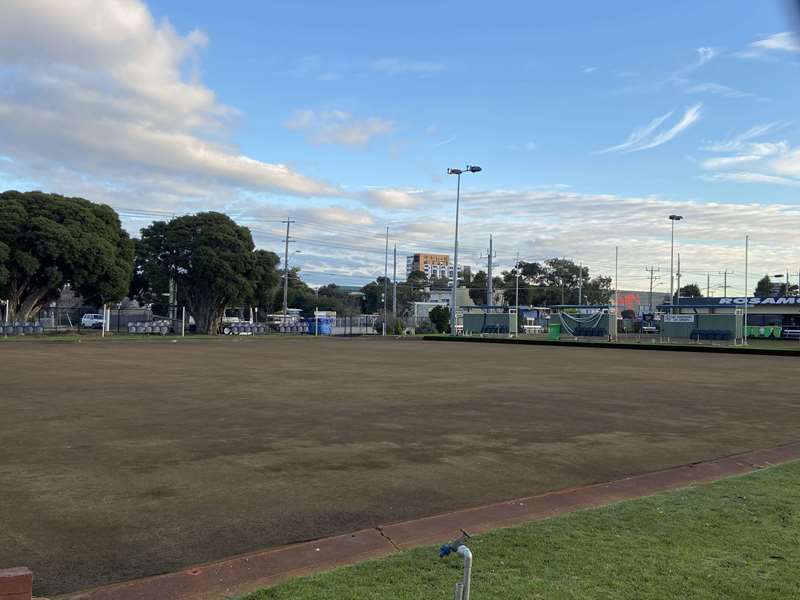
x=516, y=293
x=580, y=283
x=489, y=285
x=394, y=284
x=708, y=285
x=652, y=271
x=725, y=274
x=677, y=300
x=385, y=280
x=288, y=222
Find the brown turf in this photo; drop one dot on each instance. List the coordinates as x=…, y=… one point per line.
x=124, y=459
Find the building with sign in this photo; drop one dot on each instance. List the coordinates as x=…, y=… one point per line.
x=435, y=266
x=772, y=316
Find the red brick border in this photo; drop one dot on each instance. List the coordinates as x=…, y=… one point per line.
x=249, y=572
x=16, y=584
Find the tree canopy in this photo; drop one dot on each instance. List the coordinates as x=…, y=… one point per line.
x=48, y=241
x=213, y=262
x=691, y=290
x=555, y=281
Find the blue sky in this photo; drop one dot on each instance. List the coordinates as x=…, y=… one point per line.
x=592, y=122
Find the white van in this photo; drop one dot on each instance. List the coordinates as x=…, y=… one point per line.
x=92, y=321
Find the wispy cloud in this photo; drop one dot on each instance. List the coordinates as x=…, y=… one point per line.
x=717, y=88
x=395, y=66
x=652, y=136
x=445, y=141
x=750, y=177
x=772, y=162
x=784, y=41
x=338, y=127
x=589, y=69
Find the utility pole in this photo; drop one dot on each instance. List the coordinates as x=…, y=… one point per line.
x=725, y=274
x=746, y=283
x=516, y=292
x=288, y=222
x=394, y=284
x=677, y=300
x=489, y=284
x=385, y=280
x=652, y=271
x=580, y=283
x=708, y=285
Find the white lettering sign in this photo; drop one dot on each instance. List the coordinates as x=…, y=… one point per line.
x=679, y=318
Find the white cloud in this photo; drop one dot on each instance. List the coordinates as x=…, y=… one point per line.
x=751, y=177
x=589, y=69
x=781, y=42
x=396, y=66
x=394, y=198
x=788, y=164
x=338, y=127
x=704, y=56
x=729, y=161
x=112, y=95
x=717, y=88
x=648, y=136
x=766, y=162
x=445, y=141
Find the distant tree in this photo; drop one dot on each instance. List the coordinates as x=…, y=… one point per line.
x=210, y=257
x=372, y=298
x=690, y=291
x=764, y=287
x=48, y=241
x=477, y=287
x=265, y=279
x=440, y=317
x=597, y=290
x=417, y=279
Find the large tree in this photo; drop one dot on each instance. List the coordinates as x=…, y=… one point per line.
x=212, y=261
x=48, y=241
x=764, y=287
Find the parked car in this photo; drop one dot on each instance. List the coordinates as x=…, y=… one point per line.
x=92, y=321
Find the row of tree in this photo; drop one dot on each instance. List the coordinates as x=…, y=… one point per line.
x=48, y=241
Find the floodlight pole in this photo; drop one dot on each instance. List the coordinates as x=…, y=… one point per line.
x=385, y=280
x=672, y=218
x=394, y=285
x=453, y=307
x=746, y=285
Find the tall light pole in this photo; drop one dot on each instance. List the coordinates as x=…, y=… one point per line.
x=288, y=222
x=672, y=218
x=746, y=284
x=385, y=280
x=457, y=172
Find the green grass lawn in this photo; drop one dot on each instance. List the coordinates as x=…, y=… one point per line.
x=736, y=538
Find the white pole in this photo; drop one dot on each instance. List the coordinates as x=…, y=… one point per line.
x=183, y=321
x=105, y=319
x=746, y=284
x=453, y=307
x=616, y=287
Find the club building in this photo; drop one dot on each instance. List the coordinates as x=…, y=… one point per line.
x=781, y=313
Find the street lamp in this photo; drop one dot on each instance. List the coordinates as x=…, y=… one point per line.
x=672, y=218
x=457, y=172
